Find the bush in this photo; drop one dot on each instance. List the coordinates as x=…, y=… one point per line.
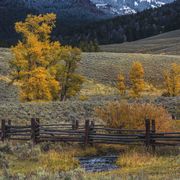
x=3, y=161
x=5, y=148
x=91, y=46
x=27, y=152
x=47, y=146
x=132, y=116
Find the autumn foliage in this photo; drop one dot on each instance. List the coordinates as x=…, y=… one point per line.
x=70, y=80
x=37, y=60
x=132, y=116
x=121, y=84
x=39, y=85
x=137, y=78
x=172, y=80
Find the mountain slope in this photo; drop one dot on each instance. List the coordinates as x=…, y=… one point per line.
x=11, y=12
x=121, y=7
x=78, y=20
x=166, y=43
x=113, y=7
x=65, y=8
x=132, y=27
x=70, y=13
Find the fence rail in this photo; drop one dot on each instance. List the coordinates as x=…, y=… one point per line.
x=88, y=133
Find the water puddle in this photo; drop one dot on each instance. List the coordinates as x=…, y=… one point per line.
x=98, y=164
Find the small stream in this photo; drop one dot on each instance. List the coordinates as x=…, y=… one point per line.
x=98, y=163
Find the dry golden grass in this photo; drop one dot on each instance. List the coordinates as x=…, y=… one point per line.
x=93, y=88
x=134, y=159
x=56, y=162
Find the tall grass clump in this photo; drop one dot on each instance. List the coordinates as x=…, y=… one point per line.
x=136, y=159
x=141, y=159
x=58, y=162
x=132, y=116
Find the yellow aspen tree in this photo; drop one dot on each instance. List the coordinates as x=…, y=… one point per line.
x=34, y=56
x=39, y=85
x=137, y=78
x=172, y=80
x=70, y=80
x=121, y=84
x=44, y=69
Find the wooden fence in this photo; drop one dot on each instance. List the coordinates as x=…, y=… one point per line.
x=87, y=134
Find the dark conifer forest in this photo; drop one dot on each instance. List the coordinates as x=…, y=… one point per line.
x=102, y=30
x=131, y=27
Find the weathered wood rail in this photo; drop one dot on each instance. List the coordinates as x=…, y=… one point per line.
x=87, y=134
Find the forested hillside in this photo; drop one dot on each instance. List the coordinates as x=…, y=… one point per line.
x=11, y=12
x=132, y=27
x=69, y=14
x=79, y=21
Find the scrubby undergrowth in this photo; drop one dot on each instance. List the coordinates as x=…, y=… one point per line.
x=53, y=112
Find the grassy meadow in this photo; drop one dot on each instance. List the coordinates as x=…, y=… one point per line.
x=104, y=66
x=100, y=69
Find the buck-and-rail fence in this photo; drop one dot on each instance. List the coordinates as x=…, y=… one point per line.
x=87, y=133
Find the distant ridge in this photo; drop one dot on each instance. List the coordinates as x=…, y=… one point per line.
x=166, y=43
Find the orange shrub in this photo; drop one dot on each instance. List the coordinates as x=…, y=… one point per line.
x=132, y=116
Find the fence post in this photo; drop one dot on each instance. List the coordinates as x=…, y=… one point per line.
x=153, y=125
x=3, y=130
x=33, y=130
x=77, y=124
x=86, y=133
x=9, y=128
x=73, y=124
x=91, y=130
x=37, y=131
x=147, y=136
